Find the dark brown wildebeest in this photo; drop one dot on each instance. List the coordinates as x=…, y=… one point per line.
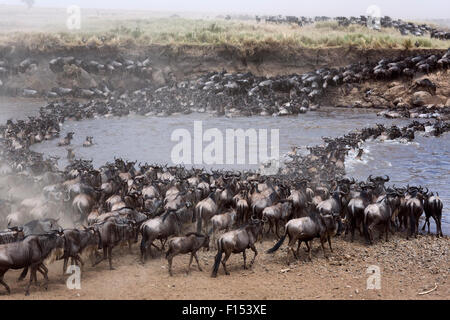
x=111, y=232
x=31, y=252
x=415, y=209
x=36, y=227
x=433, y=208
x=190, y=243
x=76, y=242
x=380, y=213
x=237, y=241
x=305, y=229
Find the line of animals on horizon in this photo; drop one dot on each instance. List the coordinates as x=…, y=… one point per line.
x=405, y=28
x=118, y=202
x=243, y=94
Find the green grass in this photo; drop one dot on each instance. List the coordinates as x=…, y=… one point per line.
x=206, y=32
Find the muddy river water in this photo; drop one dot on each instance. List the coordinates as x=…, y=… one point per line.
x=424, y=161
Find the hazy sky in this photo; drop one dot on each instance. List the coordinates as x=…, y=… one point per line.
x=436, y=9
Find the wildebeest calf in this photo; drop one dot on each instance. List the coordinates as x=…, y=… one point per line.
x=76, y=242
x=190, y=243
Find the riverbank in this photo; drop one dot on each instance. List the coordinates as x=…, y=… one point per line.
x=407, y=268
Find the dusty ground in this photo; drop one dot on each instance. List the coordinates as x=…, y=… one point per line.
x=407, y=268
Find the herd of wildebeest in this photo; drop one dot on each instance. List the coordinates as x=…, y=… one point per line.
x=235, y=94
x=187, y=209
x=117, y=203
x=404, y=27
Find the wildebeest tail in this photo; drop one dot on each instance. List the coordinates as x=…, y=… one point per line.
x=218, y=258
x=277, y=245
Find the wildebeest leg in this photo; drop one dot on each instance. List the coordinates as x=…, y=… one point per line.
x=224, y=261
x=298, y=247
x=309, y=246
x=23, y=274
x=44, y=271
x=386, y=230
x=252, y=246
x=277, y=230
x=78, y=258
x=353, y=224
x=196, y=259
x=370, y=234
x=66, y=260
x=169, y=261
x=245, y=258
x=329, y=242
x=190, y=262
x=437, y=221
x=105, y=255
x=2, y=274
x=110, y=258
x=32, y=273
x=163, y=243
x=270, y=226
x=425, y=223
x=322, y=241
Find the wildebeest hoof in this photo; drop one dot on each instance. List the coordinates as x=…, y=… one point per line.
x=112, y=268
x=27, y=293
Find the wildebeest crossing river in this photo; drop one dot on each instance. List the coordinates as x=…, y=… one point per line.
x=148, y=139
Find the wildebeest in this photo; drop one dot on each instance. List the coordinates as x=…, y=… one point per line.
x=432, y=206
x=190, y=243
x=164, y=226
x=305, y=229
x=277, y=213
x=414, y=207
x=111, y=232
x=88, y=142
x=222, y=221
x=30, y=252
x=76, y=242
x=355, y=209
x=205, y=210
x=237, y=241
x=66, y=140
x=380, y=214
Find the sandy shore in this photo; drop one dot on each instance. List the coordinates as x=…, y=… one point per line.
x=407, y=268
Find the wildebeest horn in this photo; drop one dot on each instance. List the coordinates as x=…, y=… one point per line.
x=386, y=179
x=370, y=178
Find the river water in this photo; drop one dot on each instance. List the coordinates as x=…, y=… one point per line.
x=425, y=161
